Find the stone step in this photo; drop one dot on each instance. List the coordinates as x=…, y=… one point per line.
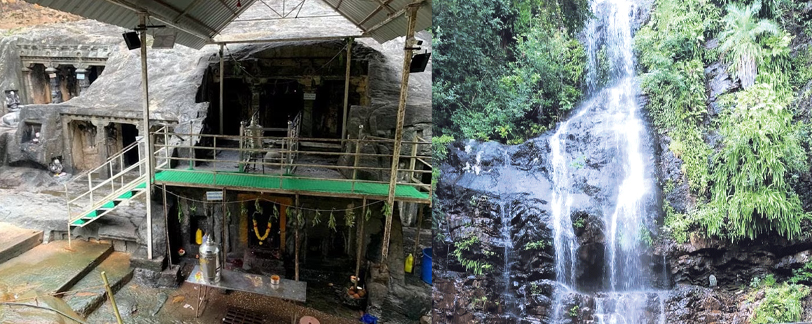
x=41, y=311
x=52, y=267
x=15, y=241
x=88, y=294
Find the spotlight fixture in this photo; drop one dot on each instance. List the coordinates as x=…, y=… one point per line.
x=132, y=40
x=163, y=40
x=419, y=62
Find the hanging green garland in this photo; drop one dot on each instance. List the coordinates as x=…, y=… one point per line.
x=386, y=210
x=331, y=223
x=349, y=217
x=316, y=219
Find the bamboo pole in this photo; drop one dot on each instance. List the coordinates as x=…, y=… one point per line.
x=225, y=229
x=359, y=240
x=142, y=24
x=346, y=89
x=166, y=226
x=357, y=151
x=417, y=236
x=296, y=248
x=404, y=91
x=222, y=73
x=110, y=291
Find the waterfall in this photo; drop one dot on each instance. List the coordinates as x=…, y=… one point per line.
x=627, y=296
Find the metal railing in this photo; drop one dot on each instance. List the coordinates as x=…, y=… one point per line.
x=284, y=157
x=98, y=186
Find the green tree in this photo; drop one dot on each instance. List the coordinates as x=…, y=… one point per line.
x=504, y=69
x=741, y=39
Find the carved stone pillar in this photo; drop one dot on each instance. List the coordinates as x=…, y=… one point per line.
x=56, y=94
x=81, y=79
x=25, y=90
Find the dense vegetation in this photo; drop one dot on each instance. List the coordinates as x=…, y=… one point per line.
x=743, y=185
x=506, y=70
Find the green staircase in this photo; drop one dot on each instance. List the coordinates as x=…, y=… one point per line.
x=108, y=186
x=138, y=188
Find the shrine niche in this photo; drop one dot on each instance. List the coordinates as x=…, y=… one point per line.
x=57, y=73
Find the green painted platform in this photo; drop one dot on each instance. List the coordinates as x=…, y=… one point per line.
x=271, y=182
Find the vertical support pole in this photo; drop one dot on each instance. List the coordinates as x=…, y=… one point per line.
x=296, y=245
x=222, y=72
x=413, y=159
x=417, y=236
x=357, y=152
x=225, y=229
x=142, y=24
x=346, y=89
x=67, y=200
x=110, y=291
x=166, y=226
x=359, y=240
x=90, y=188
x=404, y=91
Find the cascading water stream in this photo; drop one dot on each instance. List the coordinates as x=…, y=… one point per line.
x=628, y=291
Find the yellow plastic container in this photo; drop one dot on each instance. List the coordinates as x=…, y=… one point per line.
x=409, y=263
x=199, y=237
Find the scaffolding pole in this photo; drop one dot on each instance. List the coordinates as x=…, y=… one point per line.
x=404, y=91
x=222, y=73
x=296, y=243
x=142, y=26
x=360, y=237
x=346, y=90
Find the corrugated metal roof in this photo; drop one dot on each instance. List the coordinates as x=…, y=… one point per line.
x=382, y=24
x=195, y=21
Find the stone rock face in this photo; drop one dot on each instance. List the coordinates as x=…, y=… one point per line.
x=488, y=188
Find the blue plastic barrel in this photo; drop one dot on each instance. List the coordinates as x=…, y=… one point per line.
x=426, y=265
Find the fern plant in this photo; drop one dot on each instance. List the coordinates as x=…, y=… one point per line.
x=761, y=148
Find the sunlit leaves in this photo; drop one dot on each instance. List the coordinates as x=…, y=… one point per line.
x=761, y=148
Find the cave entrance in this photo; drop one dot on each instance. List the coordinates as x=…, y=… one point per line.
x=119, y=136
x=329, y=107
x=128, y=135
x=282, y=100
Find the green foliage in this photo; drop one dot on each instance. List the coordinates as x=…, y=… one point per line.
x=535, y=289
x=439, y=147
x=802, y=275
x=579, y=223
x=574, y=311
x=761, y=149
x=781, y=304
x=578, y=163
x=349, y=217
x=645, y=236
x=316, y=218
x=537, y=245
x=677, y=224
x=742, y=40
x=467, y=246
x=672, y=52
x=801, y=68
x=505, y=70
